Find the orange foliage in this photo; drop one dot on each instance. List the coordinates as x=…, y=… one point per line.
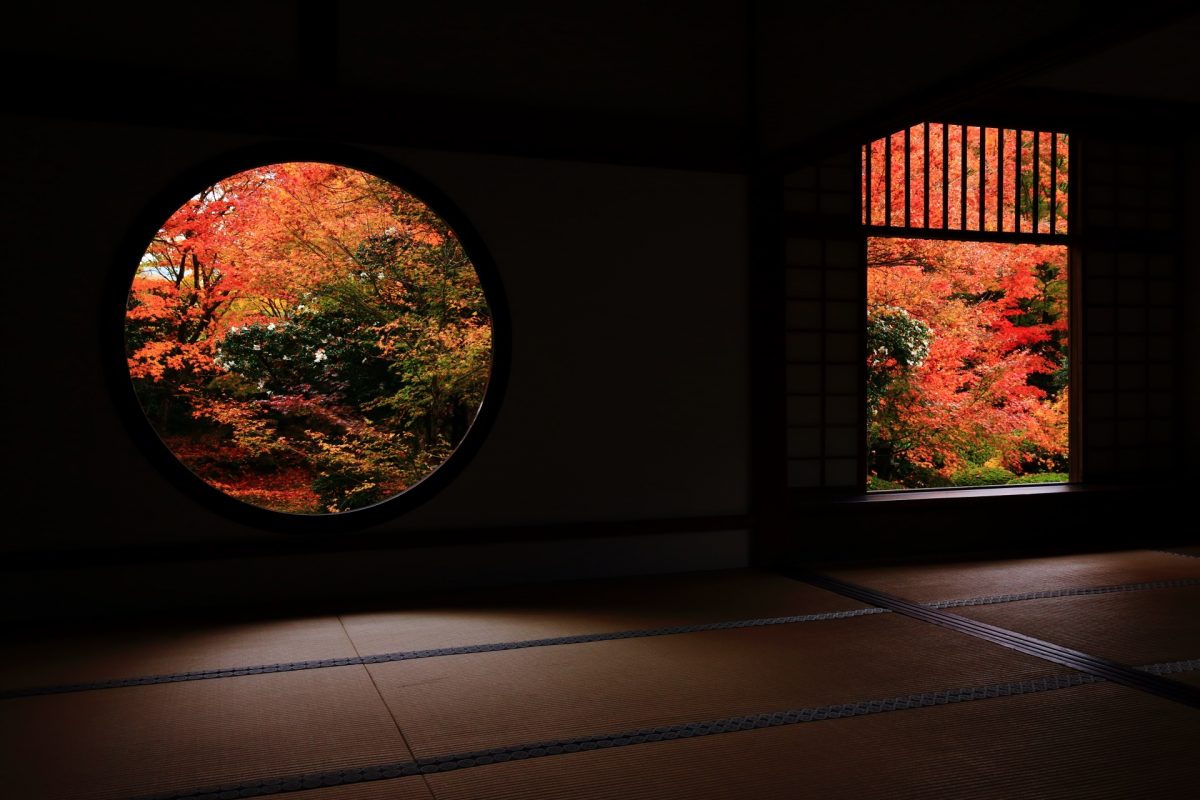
x=985, y=394
x=1010, y=197
x=308, y=337
x=969, y=370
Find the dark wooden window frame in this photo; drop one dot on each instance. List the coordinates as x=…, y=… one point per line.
x=1070, y=239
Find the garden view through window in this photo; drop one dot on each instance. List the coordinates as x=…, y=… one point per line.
x=967, y=307
x=308, y=338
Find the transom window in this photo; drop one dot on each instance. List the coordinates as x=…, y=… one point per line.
x=952, y=179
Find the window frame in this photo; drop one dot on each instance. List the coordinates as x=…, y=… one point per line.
x=1075, y=305
x=121, y=390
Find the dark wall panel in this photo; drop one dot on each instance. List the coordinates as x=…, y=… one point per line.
x=1131, y=307
x=627, y=398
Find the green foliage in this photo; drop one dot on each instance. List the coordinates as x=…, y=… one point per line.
x=354, y=470
x=1042, y=477
x=235, y=386
x=981, y=476
x=914, y=476
x=308, y=338
x=966, y=361
x=876, y=484
x=327, y=353
x=896, y=342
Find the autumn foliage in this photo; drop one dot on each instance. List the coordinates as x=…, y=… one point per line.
x=307, y=337
x=967, y=178
x=967, y=341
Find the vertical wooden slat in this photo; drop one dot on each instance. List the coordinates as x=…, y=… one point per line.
x=945, y=177
x=1000, y=180
x=1067, y=179
x=962, y=178
x=982, y=175
x=1053, y=182
x=926, y=186
x=1037, y=135
x=1017, y=194
x=887, y=187
x=868, y=153
x=907, y=177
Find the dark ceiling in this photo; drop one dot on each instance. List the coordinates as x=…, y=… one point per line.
x=676, y=82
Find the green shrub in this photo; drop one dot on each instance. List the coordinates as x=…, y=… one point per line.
x=353, y=470
x=1043, y=477
x=876, y=483
x=981, y=476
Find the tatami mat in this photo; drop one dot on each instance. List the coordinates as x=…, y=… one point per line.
x=470, y=702
x=1095, y=741
x=933, y=582
x=48, y=657
x=593, y=607
x=145, y=739
x=1133, y=628
x=1192, y=678
x=395, y=789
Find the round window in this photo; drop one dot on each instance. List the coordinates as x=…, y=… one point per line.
x=308, y=338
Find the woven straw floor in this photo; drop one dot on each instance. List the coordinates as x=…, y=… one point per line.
x=850, y=702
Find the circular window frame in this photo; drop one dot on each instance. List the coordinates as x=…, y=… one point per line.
x=115, y=359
